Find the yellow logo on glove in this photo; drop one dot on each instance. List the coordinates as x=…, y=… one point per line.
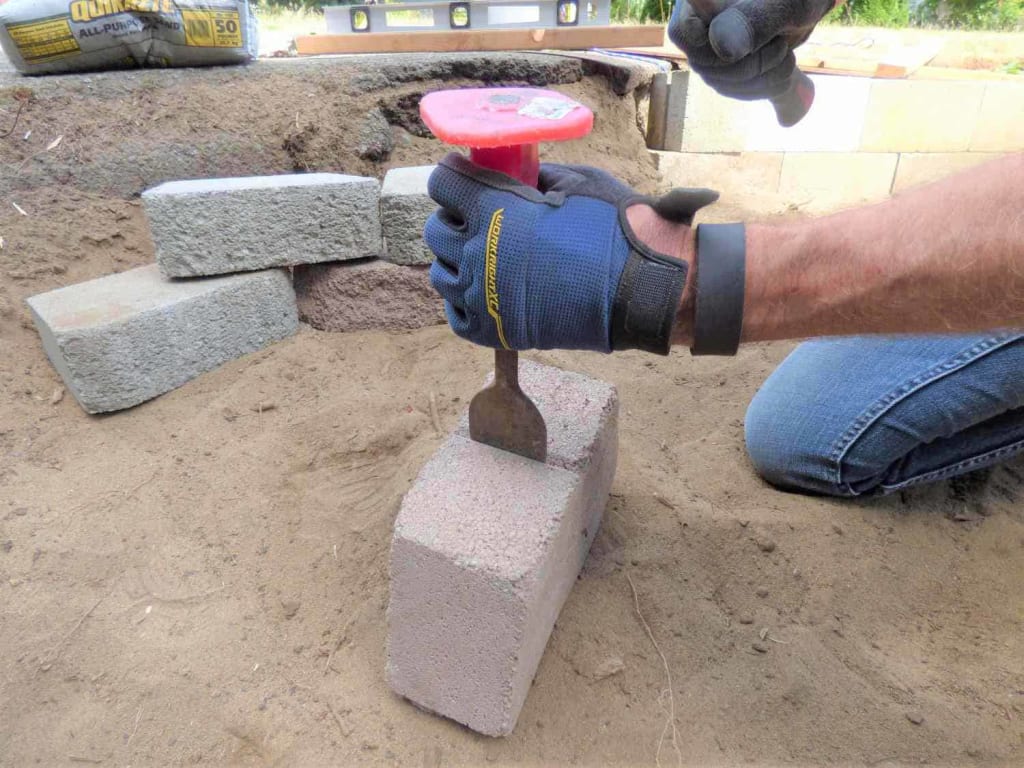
x=491, y=264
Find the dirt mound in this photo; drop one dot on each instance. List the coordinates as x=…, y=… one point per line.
x=124, y=132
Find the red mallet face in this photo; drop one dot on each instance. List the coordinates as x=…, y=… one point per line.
x=503, y=126
x=504, y=117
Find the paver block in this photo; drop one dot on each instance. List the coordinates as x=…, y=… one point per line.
x=220, y=226
x=366, y=295
x=921, y=115
x=126, y=338
x=915, y=169
x=1000, y=125
x=405, y=207
x=487, y=546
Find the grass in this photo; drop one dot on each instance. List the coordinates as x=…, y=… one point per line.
x=283, y=20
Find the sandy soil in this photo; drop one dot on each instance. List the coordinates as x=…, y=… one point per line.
x=202, y=580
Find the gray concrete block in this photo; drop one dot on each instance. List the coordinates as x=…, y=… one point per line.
x=487, y=546
x=366, y=295
x=126, y=338
x=221, y=226
x=405, y=207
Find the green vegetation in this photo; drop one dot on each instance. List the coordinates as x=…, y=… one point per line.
x=1004, y=15
x=873, y=13
x=1007, y=15
x=641, y=11
x=297, y=5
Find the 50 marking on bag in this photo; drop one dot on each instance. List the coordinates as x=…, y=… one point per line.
x=212, y=29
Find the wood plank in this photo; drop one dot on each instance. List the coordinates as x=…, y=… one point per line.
x=559, y=38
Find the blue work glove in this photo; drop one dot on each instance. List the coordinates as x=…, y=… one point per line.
x=554, y=267
x=746, y=52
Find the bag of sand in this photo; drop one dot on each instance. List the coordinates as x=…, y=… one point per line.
x=43, y=37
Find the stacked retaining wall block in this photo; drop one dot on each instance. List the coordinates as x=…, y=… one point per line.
x=405, y=207
x=126, y=338
x=218, y=226
x=863, y=139
x=390, y=293
x=215, y=293
x=486, y=548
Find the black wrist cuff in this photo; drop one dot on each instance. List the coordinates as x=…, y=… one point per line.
x=719, y=285
x=646, y=301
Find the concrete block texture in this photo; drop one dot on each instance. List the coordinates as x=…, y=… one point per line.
x=824, y=181
x=915, y=169
x=921, y=115
x=1000, y=125
x=487, y=546
x=126, y=338
x=716, y=124
x=220, y=226
x=366, y=295
x=729, y=173
x=405, y=207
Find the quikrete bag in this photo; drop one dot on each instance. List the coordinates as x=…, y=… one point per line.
x=43, y=37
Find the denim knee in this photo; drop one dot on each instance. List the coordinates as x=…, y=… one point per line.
x=855, y=416
x=784, y=451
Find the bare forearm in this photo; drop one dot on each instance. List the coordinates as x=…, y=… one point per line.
x=948, y=257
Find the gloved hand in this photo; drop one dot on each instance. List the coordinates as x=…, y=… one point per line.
x=554, y=267
x=747, y=51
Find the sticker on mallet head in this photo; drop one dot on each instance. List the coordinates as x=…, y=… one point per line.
x=547, y=108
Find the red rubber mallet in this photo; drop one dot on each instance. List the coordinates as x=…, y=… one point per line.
x=502, y=128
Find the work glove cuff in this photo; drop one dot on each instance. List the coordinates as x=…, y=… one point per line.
x=651, y=286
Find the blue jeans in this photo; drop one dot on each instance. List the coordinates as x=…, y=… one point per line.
x=868, y=415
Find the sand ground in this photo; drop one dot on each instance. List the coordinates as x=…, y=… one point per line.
x=202, y=580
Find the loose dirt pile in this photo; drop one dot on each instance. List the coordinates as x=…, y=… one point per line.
x=202, y=580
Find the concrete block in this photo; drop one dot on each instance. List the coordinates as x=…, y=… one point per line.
x=666, y=118
x=821, y=181
x=366, y=295
x=916, y=169
x=126, y=338
x=1000, y=124
x=405, y=207
x=717, y=124
x=657, y=111
x=921, y=115
x=729, y=173
x=487, y=546
x=220, y=226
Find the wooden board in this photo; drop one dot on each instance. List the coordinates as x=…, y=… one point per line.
x=560, y=38
x=877, y=61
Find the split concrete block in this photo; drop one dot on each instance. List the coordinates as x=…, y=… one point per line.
x=366, y=295
x=1000, y=126
x=220, y=226
x=126, y=338
x=405, y=207
x=916, y=169
x=921, y=115
x=487, y=546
